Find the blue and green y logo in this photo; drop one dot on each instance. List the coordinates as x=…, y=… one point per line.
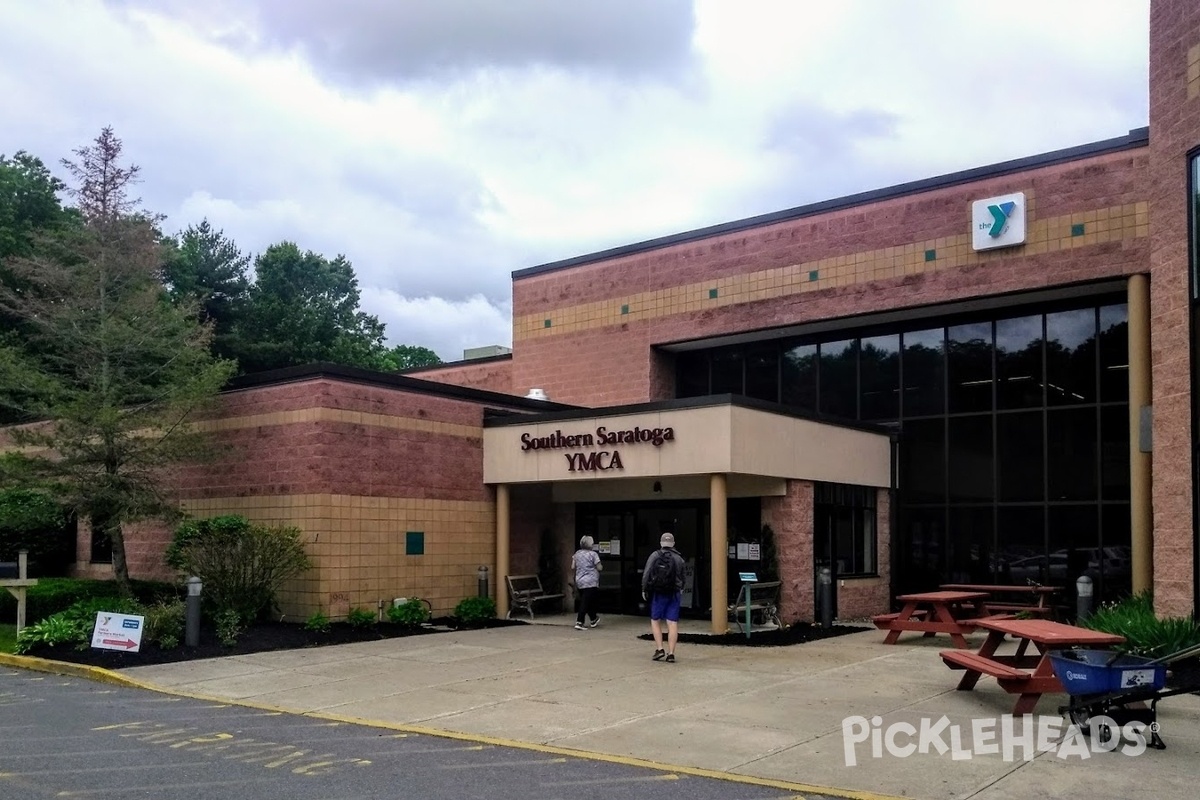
x=1000, y=213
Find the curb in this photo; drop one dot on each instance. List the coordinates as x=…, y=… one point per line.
x=102, y=675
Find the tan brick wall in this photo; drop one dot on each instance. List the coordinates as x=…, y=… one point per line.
x=357, y=545
x=1174, y=131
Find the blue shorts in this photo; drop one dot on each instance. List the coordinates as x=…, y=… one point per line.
x=665, y=606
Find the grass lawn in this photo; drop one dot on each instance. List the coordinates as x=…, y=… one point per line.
x=8, y=637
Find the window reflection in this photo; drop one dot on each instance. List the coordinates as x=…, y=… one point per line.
x=838, y=379
x=879, y=376
x=727, y=376
x=970, y=365
x=1019, y=362
x=762, y=374
x=799, y=375
x=1114, y=353
x=924, y=372
x=1071, y=357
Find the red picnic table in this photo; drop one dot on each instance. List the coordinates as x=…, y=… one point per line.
x=952, y=612
x=1028, y=675
x=1028, y=598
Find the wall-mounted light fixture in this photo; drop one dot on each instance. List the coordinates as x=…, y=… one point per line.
x=658, y=487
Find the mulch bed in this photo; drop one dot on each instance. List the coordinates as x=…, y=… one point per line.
x=780, y=637
x=259, y=638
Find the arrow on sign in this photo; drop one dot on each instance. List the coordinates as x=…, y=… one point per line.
x=126, y=643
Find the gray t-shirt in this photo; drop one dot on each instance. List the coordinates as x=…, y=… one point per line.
x=587, y=568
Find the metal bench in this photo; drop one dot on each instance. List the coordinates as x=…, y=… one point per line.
x=524, y=591
x=756, y=599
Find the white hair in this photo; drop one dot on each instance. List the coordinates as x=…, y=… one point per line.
x=586, y=543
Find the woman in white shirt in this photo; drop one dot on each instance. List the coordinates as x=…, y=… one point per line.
x=587, y=566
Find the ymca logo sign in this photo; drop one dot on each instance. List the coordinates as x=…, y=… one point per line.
x=998, y=221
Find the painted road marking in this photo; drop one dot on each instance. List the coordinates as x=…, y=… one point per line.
x=600, y=781
x=532, y=762
x=118, y=768
x=158, y=787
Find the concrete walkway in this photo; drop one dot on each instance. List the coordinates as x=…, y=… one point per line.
x=767, y=713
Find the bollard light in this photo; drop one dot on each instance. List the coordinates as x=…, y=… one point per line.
x=1083, y=598
x=192, y=619
x=483, y=581
x=825, y=582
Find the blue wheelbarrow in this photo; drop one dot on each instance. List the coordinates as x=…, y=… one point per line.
x=1119, y=688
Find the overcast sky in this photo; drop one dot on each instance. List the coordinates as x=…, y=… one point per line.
x=442, y=144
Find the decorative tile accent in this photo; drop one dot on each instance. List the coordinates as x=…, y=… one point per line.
x=546, y=323
x=1127, y=222
x=414, y=543
x=1078, y=229
x=712, y=294
x=625, y=309
x=930, y=255
x=340, y=415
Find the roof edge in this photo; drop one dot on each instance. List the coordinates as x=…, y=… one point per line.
x=389, y=380
x=1136, y=138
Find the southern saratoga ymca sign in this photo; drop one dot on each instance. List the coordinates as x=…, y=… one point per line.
x=597, y=460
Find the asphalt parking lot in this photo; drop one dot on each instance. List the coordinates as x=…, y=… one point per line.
x=66, y=737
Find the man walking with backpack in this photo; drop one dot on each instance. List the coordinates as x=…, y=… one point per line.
x=662, y=585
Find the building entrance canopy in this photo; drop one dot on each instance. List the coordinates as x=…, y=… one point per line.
x=724, y=434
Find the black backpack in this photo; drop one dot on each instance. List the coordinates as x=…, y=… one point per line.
x=662, y=573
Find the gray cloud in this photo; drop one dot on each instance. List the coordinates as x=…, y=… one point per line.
x=369, y=42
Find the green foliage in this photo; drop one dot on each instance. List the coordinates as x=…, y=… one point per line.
x=403, y=356
x=242, y=565
x=229, y=626
x=8, y=638
x=53, y=595
x=207, y=272
x=31, y=520
x=359, y=617
x=29, y=204
x=103, y=354
x=410, y=613
x=165, y=622
x=473, y=610
x=303, y=308
x=1145, y=633
x=318, y=623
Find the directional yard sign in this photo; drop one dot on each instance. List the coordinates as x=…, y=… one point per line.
x=118, y=631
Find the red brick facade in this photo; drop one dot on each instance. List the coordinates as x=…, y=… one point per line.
x=1175, y=131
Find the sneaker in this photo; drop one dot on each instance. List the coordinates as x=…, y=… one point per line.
x=595, y=622
x=670, y=658
x=579, y=626
x=659, y=655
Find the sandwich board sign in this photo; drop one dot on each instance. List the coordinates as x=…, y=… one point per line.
x=118, y=631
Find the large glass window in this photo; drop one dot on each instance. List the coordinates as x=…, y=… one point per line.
x=1013, y=436
x=839, y=379
x=924, y=372
x=879, y=377
x=1019, y=362
x=799, y=368
x=970, y=363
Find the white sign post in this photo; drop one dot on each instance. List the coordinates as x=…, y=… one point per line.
x=118, y=632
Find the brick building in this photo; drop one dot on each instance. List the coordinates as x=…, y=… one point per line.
x=983, y=376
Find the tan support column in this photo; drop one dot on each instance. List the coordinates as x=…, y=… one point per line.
x=502, y=538
x=1141, y=511
x=719, y=536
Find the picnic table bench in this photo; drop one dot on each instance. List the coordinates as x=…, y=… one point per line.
x=756, y=599
x=524, y=591
x=1035, y=600
x=1024, y=674
x=952, y=612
